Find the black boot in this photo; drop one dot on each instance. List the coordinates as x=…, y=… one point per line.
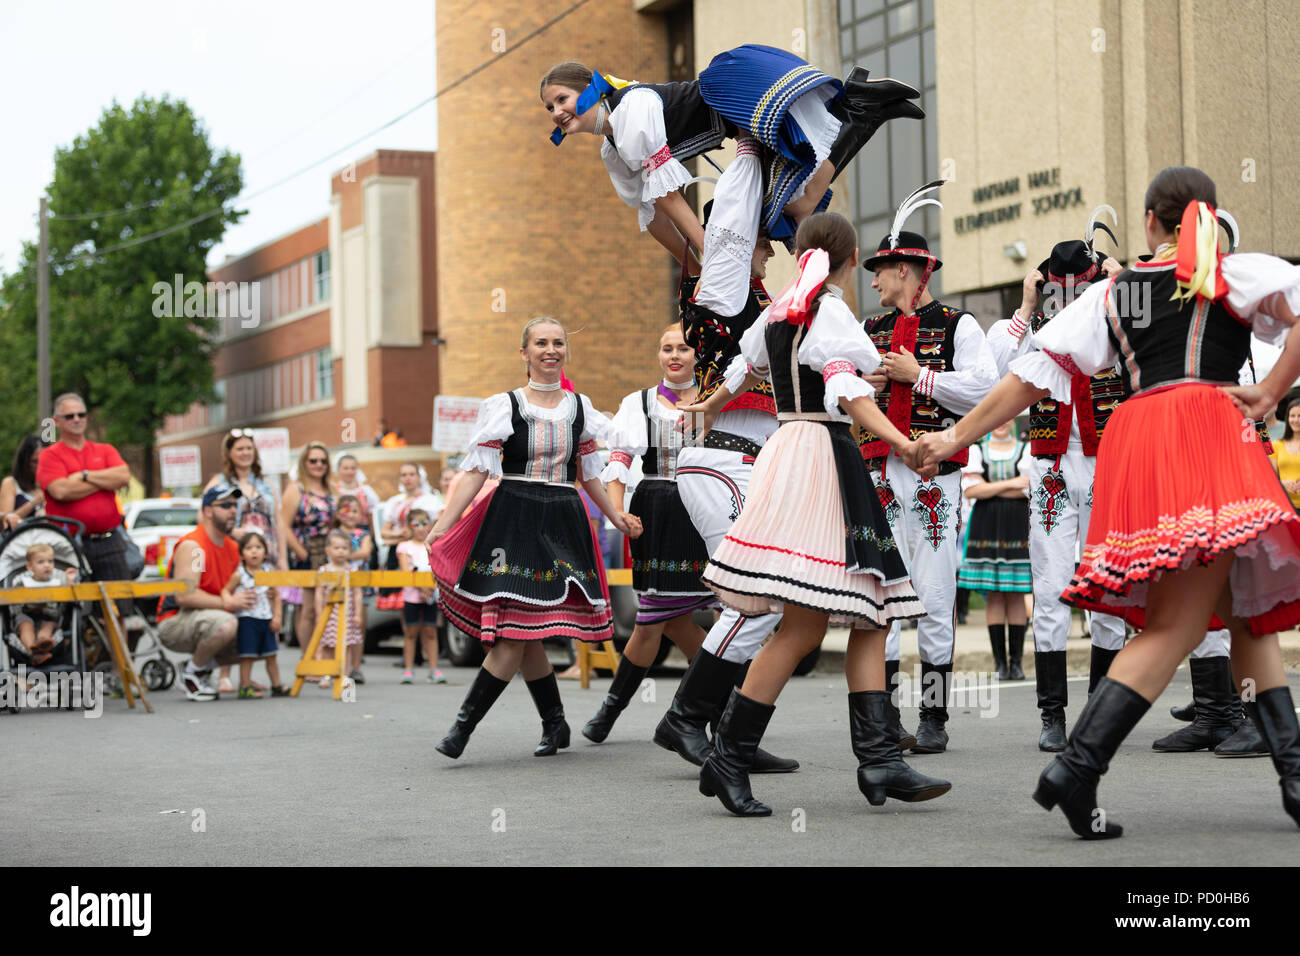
x=998, y=638
x=1281, y=731
x=725, y=773
x=1053, y=695
x=764, y=762
x=1186, y=712
x=555, y=732
x=865, y=107
x=1247, y=741
x=1015, y=651
x=1099, y=665
x=936, y=684
x=699, y=700
x=1215, y=699
x=483, y=693
x=881, y=770
x=905, y=740
x=1112, y=711
x=625, y=683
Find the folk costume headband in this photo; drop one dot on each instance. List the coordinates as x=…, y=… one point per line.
x=599, y=87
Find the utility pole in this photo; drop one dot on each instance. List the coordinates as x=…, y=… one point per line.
x=43, y=409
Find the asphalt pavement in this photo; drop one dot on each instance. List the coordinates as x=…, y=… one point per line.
x=312, y=781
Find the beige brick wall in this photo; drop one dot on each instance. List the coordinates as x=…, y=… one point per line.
x=526, y=229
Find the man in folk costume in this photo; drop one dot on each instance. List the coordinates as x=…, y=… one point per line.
x=713, y=474
x=1064, y=437
x=937, y=366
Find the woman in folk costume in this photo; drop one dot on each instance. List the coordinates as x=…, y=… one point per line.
x=809, y=126
x=996, y=557
x=523, y=565
x=669, y=556
x=1189, y=527
x=813, y=541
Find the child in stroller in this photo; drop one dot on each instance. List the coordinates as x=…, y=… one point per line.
x=41, y=553
x=36, y=621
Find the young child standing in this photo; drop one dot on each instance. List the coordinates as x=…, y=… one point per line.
x=258, y=624
x=338, y=555
x=420, y=605
x=353, y=518
x=36, y=622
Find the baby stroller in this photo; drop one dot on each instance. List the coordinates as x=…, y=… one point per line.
x=81, y=637
x=68, y=652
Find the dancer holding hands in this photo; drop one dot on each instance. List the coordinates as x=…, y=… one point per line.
x=1172, y=550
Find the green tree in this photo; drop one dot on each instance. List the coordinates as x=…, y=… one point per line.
x=133, y=368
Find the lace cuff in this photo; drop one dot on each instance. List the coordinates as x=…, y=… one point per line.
x=842, y=381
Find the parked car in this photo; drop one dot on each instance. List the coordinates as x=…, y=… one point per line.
x=155, y=525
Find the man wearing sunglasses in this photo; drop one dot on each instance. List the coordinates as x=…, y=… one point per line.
x=79, y=478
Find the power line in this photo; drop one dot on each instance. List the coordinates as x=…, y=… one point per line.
x=294, y=175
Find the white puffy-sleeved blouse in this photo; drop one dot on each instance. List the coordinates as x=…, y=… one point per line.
x=639, y=162
x=495, y=425
x=631, y=437
x=835, y=345
x=1080, y=332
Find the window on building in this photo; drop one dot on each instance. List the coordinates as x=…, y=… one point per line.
x=893, y=38
x=217, y=411
x=320, y=268
x=324, y=374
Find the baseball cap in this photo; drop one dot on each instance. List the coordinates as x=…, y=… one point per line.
x=220, y=491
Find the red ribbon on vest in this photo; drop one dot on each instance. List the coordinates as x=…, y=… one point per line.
x=899, y=411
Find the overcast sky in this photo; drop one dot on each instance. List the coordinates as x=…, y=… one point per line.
x=282, y=83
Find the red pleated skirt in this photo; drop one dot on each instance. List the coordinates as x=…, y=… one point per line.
x=1181, y=480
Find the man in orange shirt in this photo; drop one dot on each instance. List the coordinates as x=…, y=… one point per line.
x=79, y=478
x=202, y=621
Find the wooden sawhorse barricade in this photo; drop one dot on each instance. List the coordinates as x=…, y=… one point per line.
x=338, y=606
x=105, y=593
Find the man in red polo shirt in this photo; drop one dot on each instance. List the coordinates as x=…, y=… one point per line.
x=79, y=478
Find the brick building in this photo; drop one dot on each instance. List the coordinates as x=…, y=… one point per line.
x=346, y=332
x=529, y=229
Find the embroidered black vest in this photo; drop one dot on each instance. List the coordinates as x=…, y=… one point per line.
x=716, y=341
x=539, y=449
x=935, y=334
x=1049, y=421
x=1162, y=342
x=663, y=441
x=691, y=124
x=796, y=387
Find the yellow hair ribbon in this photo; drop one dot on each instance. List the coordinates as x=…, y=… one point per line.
x=1197, y=271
